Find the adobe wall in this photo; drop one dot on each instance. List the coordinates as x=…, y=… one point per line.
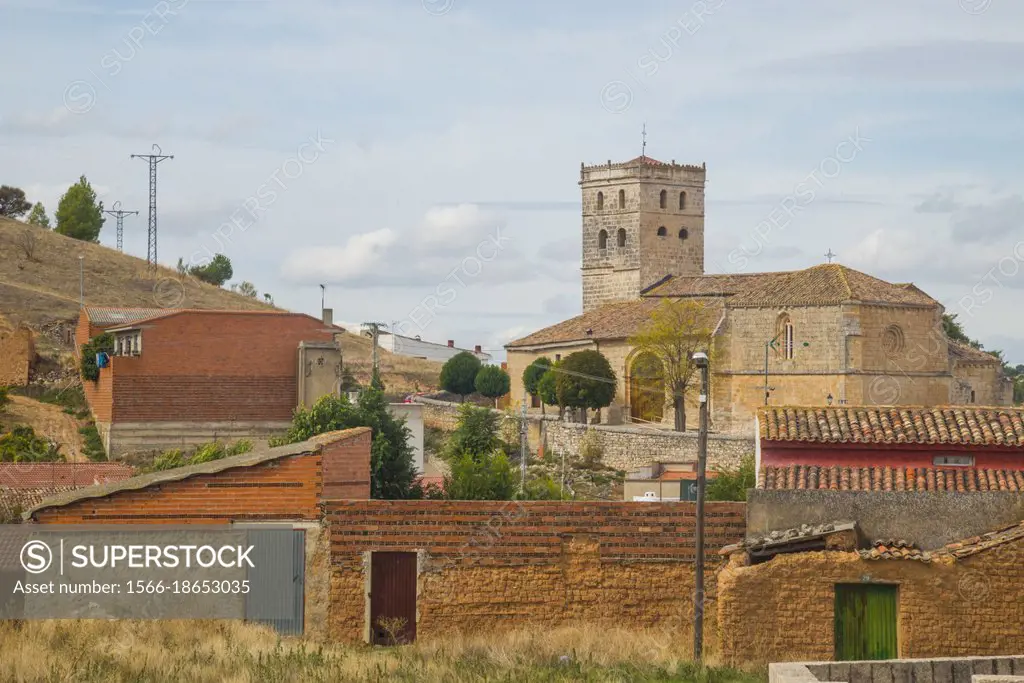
x=970, y=607
x=491, y=565
x=17, y=353
x=930, y=519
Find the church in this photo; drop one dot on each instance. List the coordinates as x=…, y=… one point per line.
x=824, y=335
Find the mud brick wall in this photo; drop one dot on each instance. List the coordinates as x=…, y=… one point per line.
x=498, y=565
x=783, y=610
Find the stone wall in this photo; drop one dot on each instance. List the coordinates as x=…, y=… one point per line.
x=944, y=609
x=929, y=519
x=489, y=565
x=627, y=448
x=624, y=447
x=939, y=670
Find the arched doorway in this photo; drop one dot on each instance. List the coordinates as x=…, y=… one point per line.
x=646, y=388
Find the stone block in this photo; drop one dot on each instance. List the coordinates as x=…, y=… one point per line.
x=860, y=672
x=1018, y=666
x=922, y=672
x=983, y=666
x=963, y=669
x=1004, y=666
x=902, y=672
x=942, y=671
x=881, y=672
x=839, y=672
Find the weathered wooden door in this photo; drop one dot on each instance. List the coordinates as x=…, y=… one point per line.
x=865, y=622
x=392, y=598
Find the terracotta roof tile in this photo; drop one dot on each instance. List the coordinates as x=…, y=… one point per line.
x=969, y=354
x=847, y=478
x=895, y=549
x=35, y=475
x=110, y=315
x=970, y=426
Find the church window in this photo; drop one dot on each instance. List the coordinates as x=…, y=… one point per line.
x=663, y=202
x=602, y=239
x=972, y=395
x=622, y=199
x=662, y=231
x=600, y=200
x=892, y=341
x=622, y=237
x=682, y=201
x=683, y=233
x=787, y=342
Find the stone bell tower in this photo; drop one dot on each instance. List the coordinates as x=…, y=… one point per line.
x=642, y=220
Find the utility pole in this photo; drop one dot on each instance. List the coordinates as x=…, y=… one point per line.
x=119, y=214
x=374, y=333
x=155, y=158
x=523, y=449
x=701, y=361
x=323, y=293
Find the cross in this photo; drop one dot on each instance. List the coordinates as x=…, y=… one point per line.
x=829, y=255
x=643, y=148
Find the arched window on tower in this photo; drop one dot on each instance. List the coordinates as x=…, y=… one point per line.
x=683, y=233
x=622, y=199
x=662, y=231
x=682, y=201
x=600, y=200
x=602, y=239
x=786, y=335
x=663, y=200
x=622, y=237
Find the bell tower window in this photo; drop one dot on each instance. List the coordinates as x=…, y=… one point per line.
x=602, y=240
x=622, y=199
x=600, y=201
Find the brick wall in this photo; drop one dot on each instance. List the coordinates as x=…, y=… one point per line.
x=149, y=398
x=970, y=607
x=486, y=565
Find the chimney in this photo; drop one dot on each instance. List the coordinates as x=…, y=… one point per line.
x=328, y=316
x=451, y=343
x=476, y=349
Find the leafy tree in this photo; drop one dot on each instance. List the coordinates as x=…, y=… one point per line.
x=38, y=216
x=392, y=470
x=532, y=374
x=733, y=484
x=585, y=379
x=492, y=382
x=216, y=272
x=674, y=332
x=246, y=288
x=12, y=202
x=954, y=329
x=547, y=388
x=478, y=468
x=458, y=374
x=103, y=343
x=79, y=215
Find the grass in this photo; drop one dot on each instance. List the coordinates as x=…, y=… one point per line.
x=123, y=651
x=92, y=444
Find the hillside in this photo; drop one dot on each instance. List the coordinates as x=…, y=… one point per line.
x=44, y=289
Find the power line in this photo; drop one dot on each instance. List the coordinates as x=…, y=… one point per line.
x=153, y=160
x=119, y=214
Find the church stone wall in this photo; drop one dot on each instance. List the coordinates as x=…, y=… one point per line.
x=921, y=348
x=986, y=381
x=604, y=285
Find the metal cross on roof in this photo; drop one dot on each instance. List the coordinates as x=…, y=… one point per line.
x=829, y=255
x=643, y=147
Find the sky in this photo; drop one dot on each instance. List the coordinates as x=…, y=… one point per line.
x=421, y=158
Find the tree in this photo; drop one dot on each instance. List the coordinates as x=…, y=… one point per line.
x=458, y=375
x=216, y=272
x=12, y=202
x=79, y=215
x=492, y=382
x=955, y=331
x=38, y=216
x=102, y=343
x=246, y=288
x=392, y=470
x=268, y=298
x=532, y=374
x=733, y=484
x=547, y=388
x=585, y=379
x=674, y=332
x=478, y=467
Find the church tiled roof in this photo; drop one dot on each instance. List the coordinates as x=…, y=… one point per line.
x=721, y=285
x=969, y=354
x=618, y=320
x=998, y=426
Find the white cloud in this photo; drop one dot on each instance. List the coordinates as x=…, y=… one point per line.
x=362, y=255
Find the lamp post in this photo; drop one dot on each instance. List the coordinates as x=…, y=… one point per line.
x=81, y=280
x=700, y=359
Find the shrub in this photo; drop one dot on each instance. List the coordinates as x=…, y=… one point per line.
x=733, y=484
x=21, y=444
x=4, y=398
x=476, y=432
x=458, y=375
x=207, y=452
x=103, y=343
x=492, y=382
x=169, y=460
x=590, y=448
x=93, y=444
x=480, y=477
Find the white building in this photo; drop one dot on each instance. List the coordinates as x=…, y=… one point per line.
x=413, y=414
x=417, y=348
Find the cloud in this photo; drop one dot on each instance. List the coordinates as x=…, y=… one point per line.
x=938, y=202
x=361, y=256
x=982, y=223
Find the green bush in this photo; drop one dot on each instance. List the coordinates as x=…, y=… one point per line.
x=4, y=398
x=93, y=446
x=476, y=432
x=480, y=477
x=492, y=382
x=458, y=374
x=733, y=484
x=21, y=444
x=103, y=343
x=206, y=452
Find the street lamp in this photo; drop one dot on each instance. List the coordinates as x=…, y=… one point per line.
x=81, y=280
x=700, y=359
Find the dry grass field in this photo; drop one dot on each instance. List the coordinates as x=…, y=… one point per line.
x=39, y=284
x=233, y=652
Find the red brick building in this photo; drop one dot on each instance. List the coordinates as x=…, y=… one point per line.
x=953, y=448
x=183, y=377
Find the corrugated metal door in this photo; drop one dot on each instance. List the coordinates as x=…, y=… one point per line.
x=392, y=598
x=277, y=580
x=865, y=622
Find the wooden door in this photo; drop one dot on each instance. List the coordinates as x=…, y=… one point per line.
x=392, y=598
x=865, y=622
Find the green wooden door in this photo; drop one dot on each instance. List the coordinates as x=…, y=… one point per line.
x=865, y=622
